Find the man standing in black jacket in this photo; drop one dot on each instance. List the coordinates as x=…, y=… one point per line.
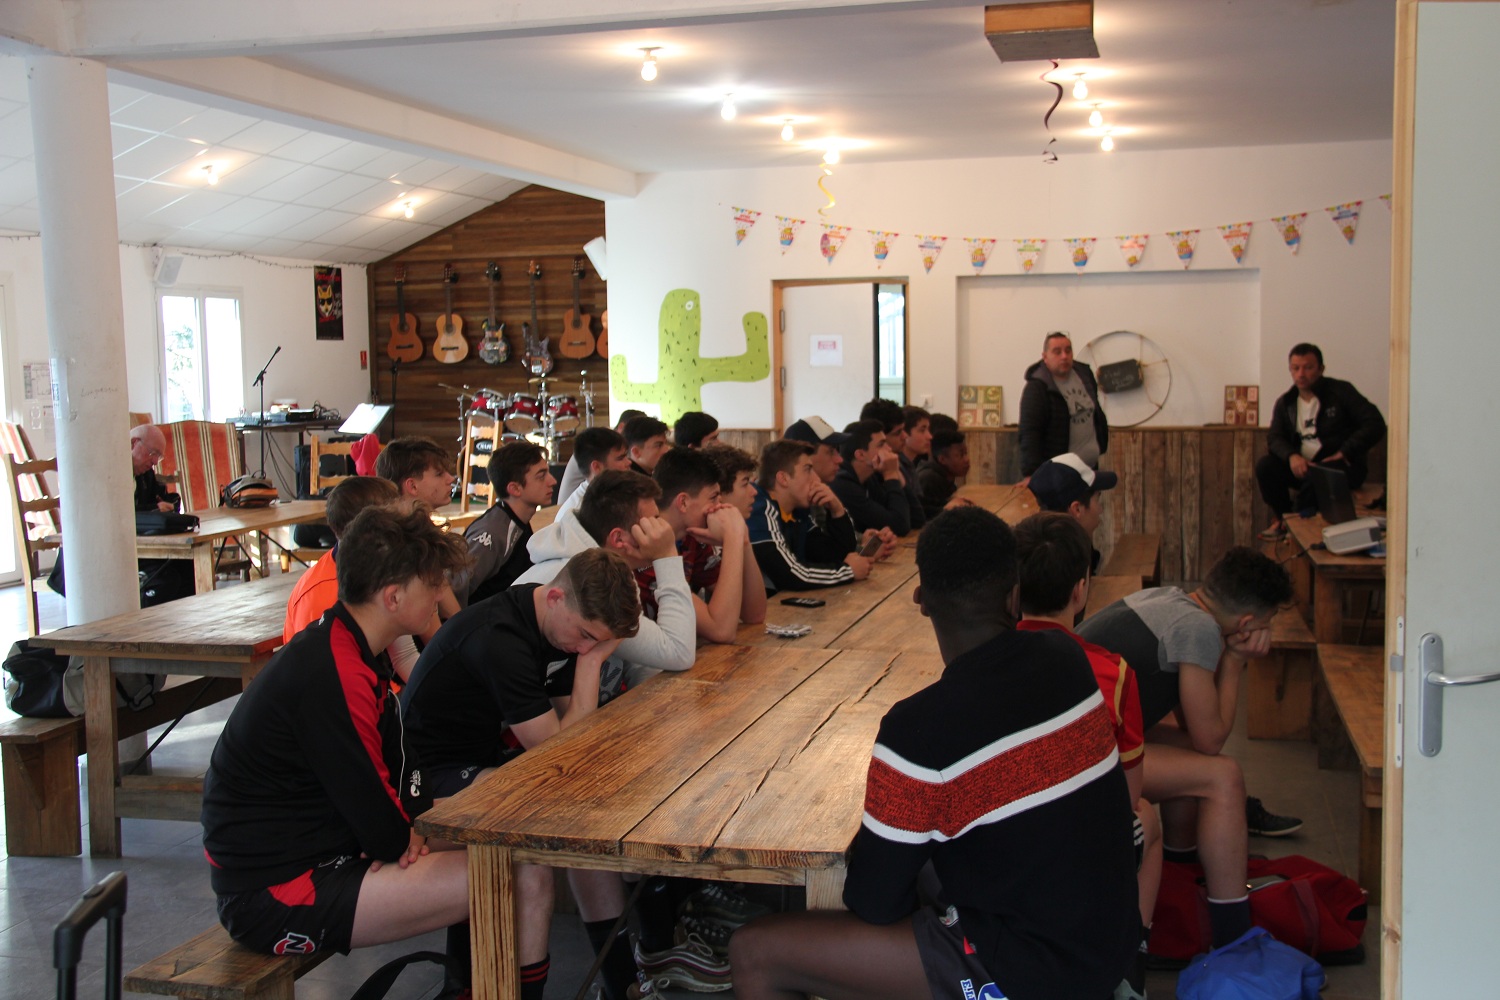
x=1319, y=420
x=1060, y=409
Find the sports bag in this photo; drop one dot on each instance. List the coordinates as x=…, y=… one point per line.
x=248, y=491
x=164, y=522
x=1255, y=966
x=1300, y=902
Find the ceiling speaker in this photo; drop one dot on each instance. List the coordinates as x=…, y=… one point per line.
x=168, y=266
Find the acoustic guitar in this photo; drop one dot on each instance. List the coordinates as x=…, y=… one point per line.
x=536, y=359
x=577, y=339
x=601, y=343
x=450, y=347
x=404, y=344
x=493, y=349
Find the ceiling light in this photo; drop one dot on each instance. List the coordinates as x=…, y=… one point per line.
x=408, y=209
x=787, y=132
x=210, y=174
x=832, y=156
x=1080, y=89
x=1096, y=117
x=648, y=65
x=728, y=111
x=1108, y=142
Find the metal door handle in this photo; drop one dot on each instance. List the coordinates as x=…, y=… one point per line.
x=1445, y=681
x=1430, y=695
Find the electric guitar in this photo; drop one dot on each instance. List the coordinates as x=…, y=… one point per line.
x=450, y=347
x=536, y=359
x=577, y=340
x=493, y=349
x=404, y=344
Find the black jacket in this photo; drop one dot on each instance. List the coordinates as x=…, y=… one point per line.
x=1347, y=422
x=1044, y=416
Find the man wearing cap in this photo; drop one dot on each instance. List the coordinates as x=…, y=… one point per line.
x=825, y=442
x=1067, y=485
x=1060, y=409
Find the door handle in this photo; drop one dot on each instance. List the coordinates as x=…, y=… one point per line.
x=1430, y=695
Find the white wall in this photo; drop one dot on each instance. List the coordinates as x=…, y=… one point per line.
x=678, y=233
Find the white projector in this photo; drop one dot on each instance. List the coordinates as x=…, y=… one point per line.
x=1354, y=536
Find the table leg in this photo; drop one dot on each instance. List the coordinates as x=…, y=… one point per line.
x=203, y=567
x=1328, y=610
x=492, y=923
x=103, y=756
x=825, y=888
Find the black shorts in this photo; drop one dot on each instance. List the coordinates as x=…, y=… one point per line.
x=312, y=912
x=953, y=970
x=450, y=779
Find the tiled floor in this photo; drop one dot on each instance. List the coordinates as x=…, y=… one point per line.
x=169, y=898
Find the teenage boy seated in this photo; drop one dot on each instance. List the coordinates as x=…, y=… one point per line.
x=1053, y=552
x=802, y=535
x=497, y=538
x=594, y=450
x=309, y=796
x=646, y=440
x=420, y=468
x=825, y=442
x=694, y=429
x=938, y=479
x=737, y=470
x=1004, y=775
x=505, y=674
x=1189, y=651
x=1067, y=485
x=870, y=484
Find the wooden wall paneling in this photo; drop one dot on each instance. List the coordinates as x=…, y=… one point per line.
x=983, y=448
x=1127, y=448
x=1216, y=457
x=1191, y=493
x=1154, y=500
x=753, y=441
x=1109, y=522
x=1173, y=523
x=1245, y=491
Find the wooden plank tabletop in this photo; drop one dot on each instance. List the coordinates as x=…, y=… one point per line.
x=1308, y=532
x=222, y=522
x=895, y=625
x=1355, y=678
x=1012, y=501
x=844, y=605
x=1106, y=590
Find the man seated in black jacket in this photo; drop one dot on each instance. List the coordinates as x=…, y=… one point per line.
x=1318, y=421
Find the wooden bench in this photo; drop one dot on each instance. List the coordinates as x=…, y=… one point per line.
x=1106, y=590
x=211, y=966
x=1135, y=555
x=1280, y=686
x=1353, y=692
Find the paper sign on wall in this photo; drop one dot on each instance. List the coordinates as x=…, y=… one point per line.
x=827, y=350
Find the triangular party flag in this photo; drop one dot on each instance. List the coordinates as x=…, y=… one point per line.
x=1237, y=235
x=1184, y=241
x=1133, y=248
x=930, y=247
x=1080, y=250
x=1029, y=252
x=979, y=251
x=880, y=242
x=1346, y=217
x=744, y=219
x=1290, y=228
x=832, y=241
x=786, y=228
x=1387, y=199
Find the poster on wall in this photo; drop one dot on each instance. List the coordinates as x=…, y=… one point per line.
x=1242, y=405
x=979, y=405
x=826, y=350
x=328, y=287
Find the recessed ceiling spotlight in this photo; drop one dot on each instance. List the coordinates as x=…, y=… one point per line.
x=787, y=132
x=831, y=156
x=408, y=209
x=1096, y=117
x=210, y=174
x=648, y=64
x=1080, y=89
x=1108, y=142
x=728, y=110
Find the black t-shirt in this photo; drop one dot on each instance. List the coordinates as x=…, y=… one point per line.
x=488, y=667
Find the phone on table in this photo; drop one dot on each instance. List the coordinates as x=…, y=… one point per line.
x=871, y=546
x=803, y=602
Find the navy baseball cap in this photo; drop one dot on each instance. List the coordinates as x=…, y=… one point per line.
x=815, y=431
x=1059, y=481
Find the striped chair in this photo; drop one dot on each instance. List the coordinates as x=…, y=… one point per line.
x=204, y=457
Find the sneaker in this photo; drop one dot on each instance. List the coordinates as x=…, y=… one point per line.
x=1127, y=992
x=1268, y=824
x=646, y=988
x=1274, y=533
x=691, y=965
x=716, y=901
x=711, y=932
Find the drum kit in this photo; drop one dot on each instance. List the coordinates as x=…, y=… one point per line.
x=537, y=415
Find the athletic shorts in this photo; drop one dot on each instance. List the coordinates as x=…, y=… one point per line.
x=953, y=970
x=451, y=779
x=312, y=912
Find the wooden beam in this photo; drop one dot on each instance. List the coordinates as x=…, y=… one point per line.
x=1054, y=29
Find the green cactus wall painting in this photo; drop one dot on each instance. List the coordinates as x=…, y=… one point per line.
x=681, y=369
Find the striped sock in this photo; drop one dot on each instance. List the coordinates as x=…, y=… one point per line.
x=534, y=979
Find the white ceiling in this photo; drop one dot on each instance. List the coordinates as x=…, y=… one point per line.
x=913, y=82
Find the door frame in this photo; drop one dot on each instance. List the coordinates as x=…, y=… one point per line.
x=778, y=319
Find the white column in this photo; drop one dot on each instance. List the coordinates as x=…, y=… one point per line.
x=85, y=331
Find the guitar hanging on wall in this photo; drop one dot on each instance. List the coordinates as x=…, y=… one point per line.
x=450, y=347
x=493, y=349
x=404, y=344
x=577, y=339
x=601, y=343
x=536, y=359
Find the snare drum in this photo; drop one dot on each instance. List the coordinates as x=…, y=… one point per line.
x=562, y=413
x=488, y=401
x=524, y=414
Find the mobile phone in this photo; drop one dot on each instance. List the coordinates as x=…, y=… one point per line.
x=803, y=602
x=871, y=546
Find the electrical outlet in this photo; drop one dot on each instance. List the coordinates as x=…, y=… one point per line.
x=926, y=402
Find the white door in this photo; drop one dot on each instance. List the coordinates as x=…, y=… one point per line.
x=10, y=555
x=828, y=351
x=1441, y=864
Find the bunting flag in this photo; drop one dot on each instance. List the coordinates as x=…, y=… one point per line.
x=1184, y=241
x=1290, y=227
x=1080, y=249
x=1346, y=217
x=930, y=247
x=1237, y=235
x=1387, y=199
x=880, y=242
x=1029, y=252
x=1133, y=248
x=979, y=251
x=786, y=228
x=744, y=220
x=832, y=241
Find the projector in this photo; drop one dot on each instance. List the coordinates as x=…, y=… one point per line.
x=1354, y=536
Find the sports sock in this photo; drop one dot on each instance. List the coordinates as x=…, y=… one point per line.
x=656, y=911
x=617, y=974
x=458, y=949
x=1228, y=919
x=1136, y=977
x=534, y=979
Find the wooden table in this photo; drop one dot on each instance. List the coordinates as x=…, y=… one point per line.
x=1331, y=576
x=844, y=605
x=222, y=633
x=225, y=522
x=1012, y=501
x=750, y=767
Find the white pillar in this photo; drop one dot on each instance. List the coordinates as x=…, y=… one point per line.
x=85, y=331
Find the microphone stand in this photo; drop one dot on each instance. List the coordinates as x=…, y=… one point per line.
x=260, y=380
x=395, y=374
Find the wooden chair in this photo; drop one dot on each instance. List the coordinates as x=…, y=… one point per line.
x=37, y=516
x=317, y=448
x=201, y=458
x=478, y=429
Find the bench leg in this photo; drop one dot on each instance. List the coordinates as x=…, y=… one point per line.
x=1369, y=851
x=825, y=888
x=41, y=799
x=203, y=567
x=492, y=923
x=1279, y=696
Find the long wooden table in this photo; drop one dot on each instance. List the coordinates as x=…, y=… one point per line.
x=225, y=522
x=749, y=767
x=1331, y=576
x=223, y=633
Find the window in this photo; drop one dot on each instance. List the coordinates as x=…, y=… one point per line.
x=202, y=378
x=890, y=326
